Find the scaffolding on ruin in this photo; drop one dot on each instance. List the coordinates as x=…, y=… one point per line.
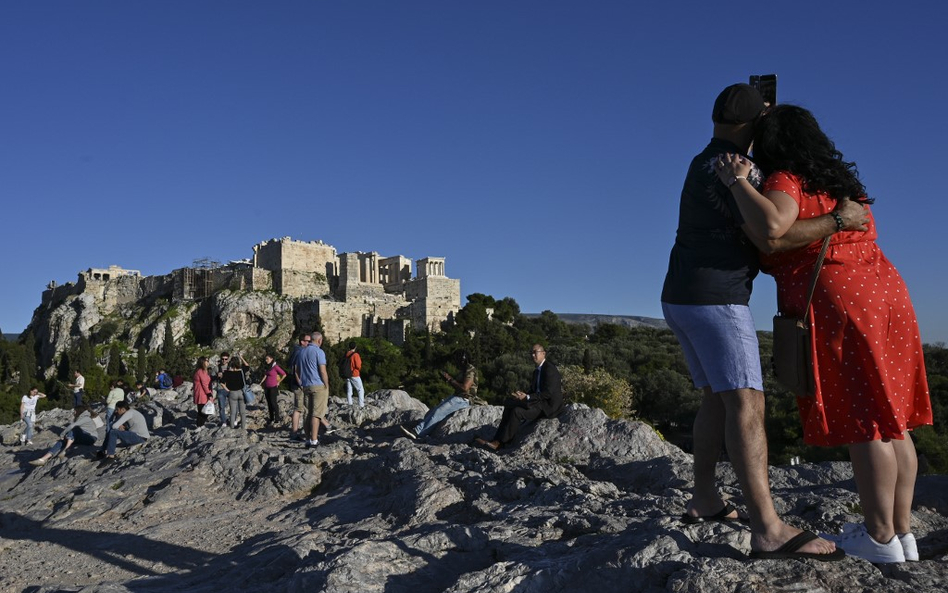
x=198, y=283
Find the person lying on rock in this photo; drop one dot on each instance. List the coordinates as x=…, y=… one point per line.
x=543, y=400
x=466, y=386
x=135, y=433
x=82, y=431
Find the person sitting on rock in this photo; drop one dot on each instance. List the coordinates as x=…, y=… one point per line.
x=137, y=432
x=82, y=431
x=140, y=393
x=466, y=386
x=544, y=400
x=162, y=380
x=116, y=394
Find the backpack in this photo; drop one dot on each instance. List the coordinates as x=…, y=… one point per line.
x=345, y=367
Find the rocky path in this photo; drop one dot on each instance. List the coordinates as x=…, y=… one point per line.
x=582, y=503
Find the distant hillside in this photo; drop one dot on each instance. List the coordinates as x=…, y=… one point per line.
x=10, y=337
x=595, y=319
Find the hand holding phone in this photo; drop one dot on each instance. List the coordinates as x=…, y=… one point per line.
x=766, y=85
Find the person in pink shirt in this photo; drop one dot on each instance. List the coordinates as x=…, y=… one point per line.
x=272, y=377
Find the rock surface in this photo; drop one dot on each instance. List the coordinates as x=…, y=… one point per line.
x=581, y=503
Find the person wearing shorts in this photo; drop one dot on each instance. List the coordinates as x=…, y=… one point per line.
x=705, y=299
x=309, y=366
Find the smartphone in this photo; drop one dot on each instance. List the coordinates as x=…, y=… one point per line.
x=766, y=85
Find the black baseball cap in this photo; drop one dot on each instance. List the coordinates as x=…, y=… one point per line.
x=737, y=104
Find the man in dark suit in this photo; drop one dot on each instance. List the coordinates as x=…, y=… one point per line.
x=544, y=400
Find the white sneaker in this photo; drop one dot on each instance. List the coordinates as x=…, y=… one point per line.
x=856, y=541
x=909, y=547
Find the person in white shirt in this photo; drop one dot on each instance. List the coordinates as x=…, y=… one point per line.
x=28, y=413
x=78, y=389
x=116, y=395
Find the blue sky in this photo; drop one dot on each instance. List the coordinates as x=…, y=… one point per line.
x=539, y=146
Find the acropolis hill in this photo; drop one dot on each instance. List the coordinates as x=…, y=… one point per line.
x=286, y=286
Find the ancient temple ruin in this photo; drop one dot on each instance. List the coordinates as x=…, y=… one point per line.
x=355, y=294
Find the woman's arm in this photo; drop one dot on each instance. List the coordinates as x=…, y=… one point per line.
x=766, y=217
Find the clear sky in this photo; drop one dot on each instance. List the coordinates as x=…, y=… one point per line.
x=539, y=146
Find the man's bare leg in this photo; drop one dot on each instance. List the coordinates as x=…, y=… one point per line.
x=746, y=442
x=314, y=428
x=708, y=437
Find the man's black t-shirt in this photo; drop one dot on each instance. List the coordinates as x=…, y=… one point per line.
x=712, y=262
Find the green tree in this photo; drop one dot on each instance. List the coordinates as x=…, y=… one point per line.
x=141, y=365
x=115, y=365
x=598, y=389
x=85, y=357
x=167, y=344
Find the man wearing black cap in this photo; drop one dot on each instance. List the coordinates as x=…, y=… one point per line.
x=705, y=301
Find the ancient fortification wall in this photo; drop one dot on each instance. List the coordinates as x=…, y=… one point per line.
x=356, y=294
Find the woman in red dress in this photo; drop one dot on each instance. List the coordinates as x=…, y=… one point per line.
x=871, y=386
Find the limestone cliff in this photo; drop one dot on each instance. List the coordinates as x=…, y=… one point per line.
x=285, y=288
x=582, y=503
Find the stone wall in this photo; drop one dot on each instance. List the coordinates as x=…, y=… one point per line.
x=298, y=284
x=435, y=299
x=302, y=256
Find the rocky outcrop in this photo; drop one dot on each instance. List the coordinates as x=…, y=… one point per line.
x=581, y=503
x=242, y=315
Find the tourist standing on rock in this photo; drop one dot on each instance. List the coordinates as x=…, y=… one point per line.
x=705, y=301
x=299, y=398
x=871, y=388
x=543, y=399
x=300, y=410
x=115, y=395
x=202, y=390
x=350, y=369
x=28, y=413
x=223, y=397
x=78, y=388
x=82, y=431
x=234, y=380
x=136, y=433
x=310, y=370
x=273, y=375
x=465, y=386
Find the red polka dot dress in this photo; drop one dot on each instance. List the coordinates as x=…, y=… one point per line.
x=870, y=373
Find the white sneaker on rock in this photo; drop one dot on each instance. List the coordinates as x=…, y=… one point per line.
x=909, y=547
x=856, y=541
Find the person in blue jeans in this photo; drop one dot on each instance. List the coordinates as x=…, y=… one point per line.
x=82, y=431
x=466, y=386
x=137, y=430
x=221, y=391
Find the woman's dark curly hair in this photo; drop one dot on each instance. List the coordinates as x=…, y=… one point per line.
x=788, y=138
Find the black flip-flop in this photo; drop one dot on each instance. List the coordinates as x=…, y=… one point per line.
x=788, y=551
x=720, y=516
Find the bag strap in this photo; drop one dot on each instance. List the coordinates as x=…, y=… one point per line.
x=816, y=274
